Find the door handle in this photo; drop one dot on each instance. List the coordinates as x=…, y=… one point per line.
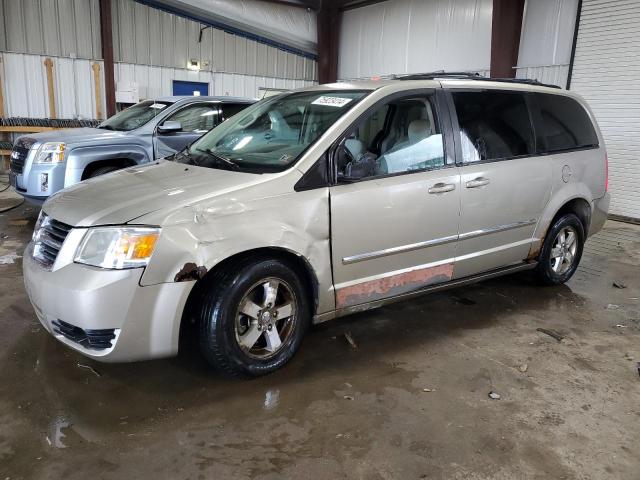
x=442, y=188
x=478, y=182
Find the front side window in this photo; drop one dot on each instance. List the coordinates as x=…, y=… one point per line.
x=563, y=124
x=135, y=116
x=398, y=137
x=494, y=125
x=270, y=135
x=198, y=118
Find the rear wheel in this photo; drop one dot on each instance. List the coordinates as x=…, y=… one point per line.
x=253, y=317
x=561, y=251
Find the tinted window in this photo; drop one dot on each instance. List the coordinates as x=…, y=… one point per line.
x=134, y=116
x=565, y=124
x=230, y=109
x=398, y=137
x=493, y=125
x=198, y=118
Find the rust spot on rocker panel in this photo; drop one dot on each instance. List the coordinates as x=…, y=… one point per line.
x=536, y=248
x=190, y=272
x=534, y=252
x=394, y=285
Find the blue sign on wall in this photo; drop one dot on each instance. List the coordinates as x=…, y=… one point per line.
x=181, y=87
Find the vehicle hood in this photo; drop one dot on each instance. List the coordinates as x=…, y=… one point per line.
x=122, y=196
x=77, y=135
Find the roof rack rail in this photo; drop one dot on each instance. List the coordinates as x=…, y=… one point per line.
x=469, y=76
x=436, y=74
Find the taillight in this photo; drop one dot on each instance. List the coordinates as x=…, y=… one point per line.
x=606, y=173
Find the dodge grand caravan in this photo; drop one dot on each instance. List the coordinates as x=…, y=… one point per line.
x=43, y=163
x=315, y=204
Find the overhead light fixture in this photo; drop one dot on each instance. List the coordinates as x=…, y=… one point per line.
x=193, y=65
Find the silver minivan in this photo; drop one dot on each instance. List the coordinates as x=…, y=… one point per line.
x=315, y=204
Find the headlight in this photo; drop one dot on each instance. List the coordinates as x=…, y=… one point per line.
x=50, y=152
x=117, y=247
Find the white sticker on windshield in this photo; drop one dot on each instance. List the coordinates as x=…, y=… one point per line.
x=159, y=106
x=331, y=101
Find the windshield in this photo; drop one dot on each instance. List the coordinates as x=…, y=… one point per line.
x=135, y=116
x=272, y=134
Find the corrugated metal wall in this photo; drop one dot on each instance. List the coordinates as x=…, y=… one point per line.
x=606, y=72
x=65, y=28
x=26, y=86
x=151, y=46
x=546, y=40
x=293, y=27
x=147, y=36
x=25, y=78
x=142, y=35
x=411, y=36
x=158, y=81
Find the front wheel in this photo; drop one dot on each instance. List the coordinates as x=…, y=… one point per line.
x=561, y=251
x=253, y=317
x=103, y=171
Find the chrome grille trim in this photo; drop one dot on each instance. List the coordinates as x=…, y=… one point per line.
x=19, y=155
x=48, y=241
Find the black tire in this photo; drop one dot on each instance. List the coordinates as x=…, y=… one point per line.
x=217, y=314
x=103, y=170
x=544, y=271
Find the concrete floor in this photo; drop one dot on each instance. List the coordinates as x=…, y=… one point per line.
x=568, y=410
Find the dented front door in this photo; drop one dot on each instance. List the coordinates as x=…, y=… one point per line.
x=393, y=235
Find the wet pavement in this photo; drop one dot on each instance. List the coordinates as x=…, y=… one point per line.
x=410, y=401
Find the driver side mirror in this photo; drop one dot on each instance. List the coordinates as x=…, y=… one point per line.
x=342, y=158
x=170, y=126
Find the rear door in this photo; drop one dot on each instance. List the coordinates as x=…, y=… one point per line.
x=504, y=185
x=395, y=204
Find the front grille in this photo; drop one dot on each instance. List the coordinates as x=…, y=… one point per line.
x=49, y=239
x=19, y=154
x=94, y=339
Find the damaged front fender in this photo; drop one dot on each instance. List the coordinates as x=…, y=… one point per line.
x=198, y=237
x=190, y=271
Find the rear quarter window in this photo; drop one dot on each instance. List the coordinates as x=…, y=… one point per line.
x=563, y=124
x=494, y=125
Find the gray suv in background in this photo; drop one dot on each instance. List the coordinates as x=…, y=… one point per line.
x=43, y=163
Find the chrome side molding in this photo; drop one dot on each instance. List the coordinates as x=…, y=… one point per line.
x=501, y=228
x=432, y=243
x=401, y=249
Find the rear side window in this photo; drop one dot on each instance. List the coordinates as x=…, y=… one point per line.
x=230, y=109
x=563, y=124
x=494, y=125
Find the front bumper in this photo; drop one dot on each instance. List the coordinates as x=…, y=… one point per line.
x=39, y=181
x=145, y=320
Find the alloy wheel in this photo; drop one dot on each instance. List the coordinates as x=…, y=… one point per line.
x=266, y=318
x=563, y=252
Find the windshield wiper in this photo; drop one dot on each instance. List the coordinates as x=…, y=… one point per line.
x=106, y=127
x=220, y=158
